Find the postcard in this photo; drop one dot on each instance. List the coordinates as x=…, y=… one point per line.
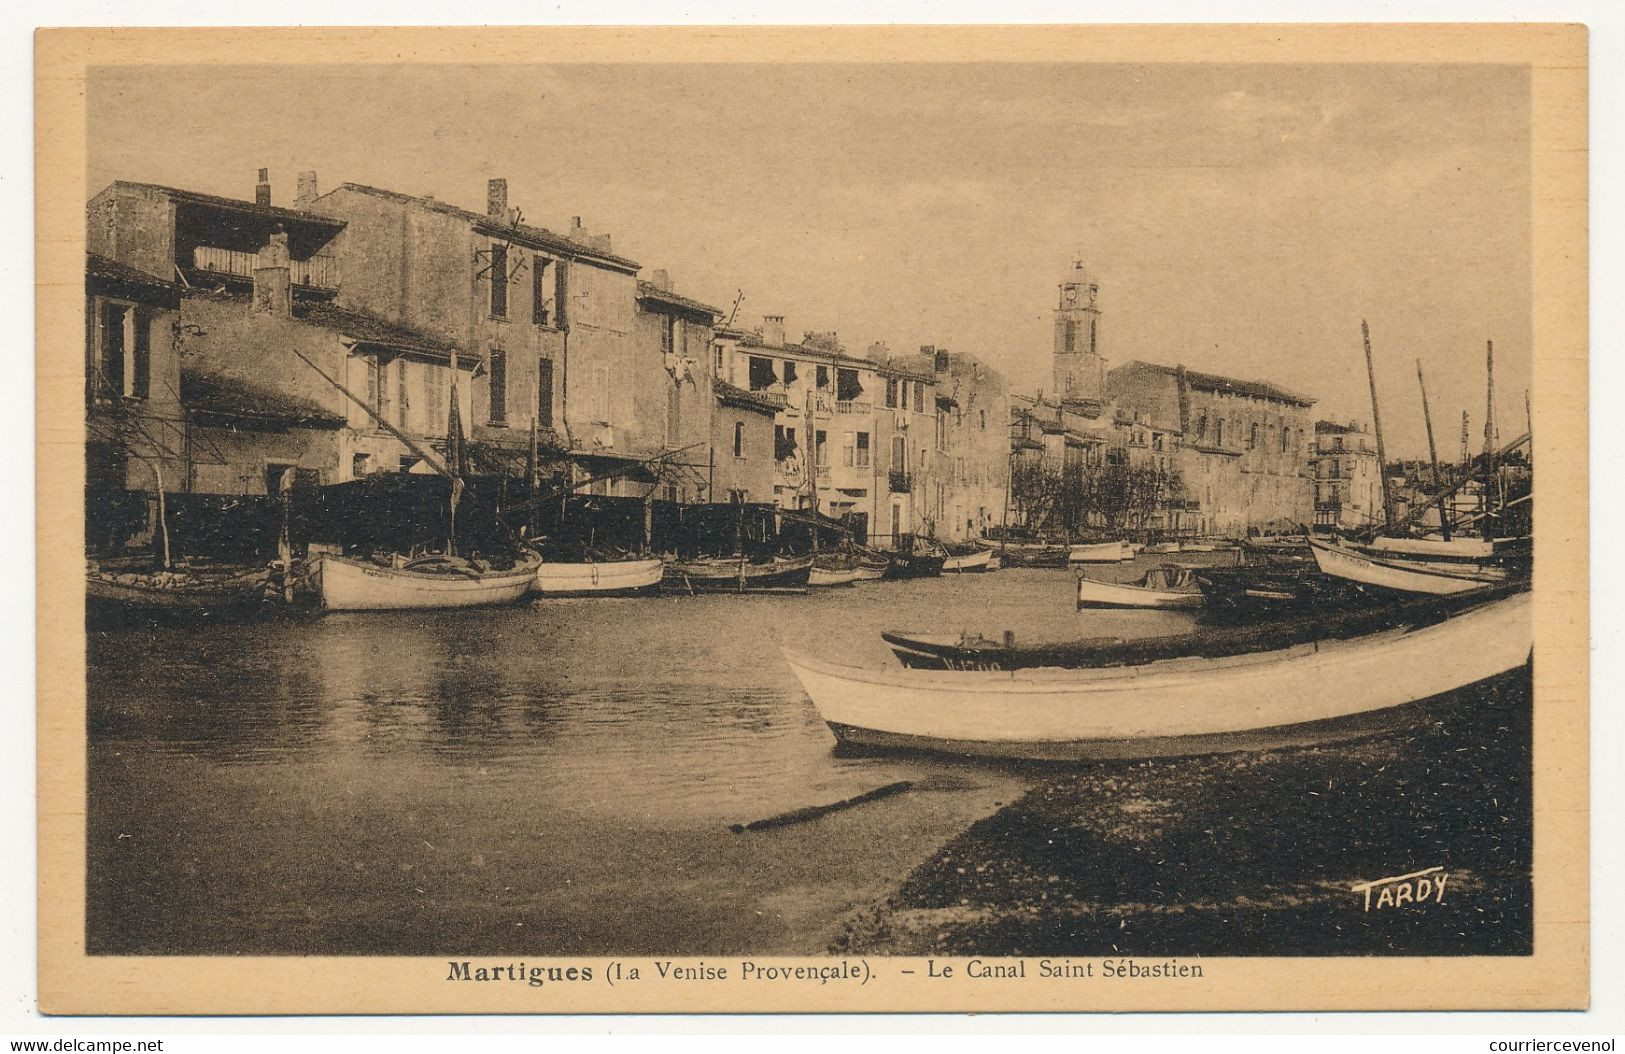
x=812, y=519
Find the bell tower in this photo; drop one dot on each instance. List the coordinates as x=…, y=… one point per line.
x=1080, y=369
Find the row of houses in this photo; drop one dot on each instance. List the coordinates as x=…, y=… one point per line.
x=1180, y=451
x=229, y=340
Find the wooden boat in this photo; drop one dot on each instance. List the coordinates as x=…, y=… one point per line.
x=1163, y=548
x=929, y=651
x=994, y=563
x=1171, y=707
x=1197, y=547
x=344, y=583
x=872, y=568
x=1269, y=589
x=738, y=575
x=1458, y=548
x=1400, y=576
x=115, y=598
x=965, y=563
x=598, y=578
x=833, y=576
x=1098, y=553
x=1160, y=587
x=922, y=563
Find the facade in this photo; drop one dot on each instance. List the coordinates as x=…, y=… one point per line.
x=827, y=436
x=966, y=478
x=1348, y=485
x=1208, y=454
x=550, y=318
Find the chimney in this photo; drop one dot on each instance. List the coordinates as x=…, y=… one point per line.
x=773, y=331
x=661, y=280
x=879, y=353
x=940, y=359
x=262, y=192
x=496, y=199
x=307, y=191
x=273, y=287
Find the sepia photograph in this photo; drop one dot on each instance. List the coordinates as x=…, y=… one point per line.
x=810, y=520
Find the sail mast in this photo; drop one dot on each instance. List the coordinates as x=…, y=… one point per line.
x=1376, y=421
x=1433, y=451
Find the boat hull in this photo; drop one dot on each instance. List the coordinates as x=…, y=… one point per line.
x=1099, y=553
x=1095, y=594
x=1177, y=706
x=598, y=579
x=971, y=563
x=826, y=577
x=113, y=602
x=345, y=584
x=1395, y=575
x=729, y=577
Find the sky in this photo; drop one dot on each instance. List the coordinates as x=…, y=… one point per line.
x=1240, y=219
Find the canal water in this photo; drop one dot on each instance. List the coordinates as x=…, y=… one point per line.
x=557, y=778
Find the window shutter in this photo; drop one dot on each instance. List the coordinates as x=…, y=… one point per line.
x=141, y=382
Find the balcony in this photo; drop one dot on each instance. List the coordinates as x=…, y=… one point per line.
x=900, y=482
x=853, y=406
x=318, y=272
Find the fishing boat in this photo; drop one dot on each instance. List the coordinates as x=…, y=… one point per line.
x=994, y=563
x=1401, y=576
x=1161, y=587
x=113, y=597
x=1269, y=589
x=872, y=567
x=1457, y=548
x=1098, y=553
x=738, y=575
x=597, y=578
x=1197, y=547
x=833, y=576
x=1171, y=707
x=966, y=563
x=942, y=651
x=921, y=563
x=347, y=583
x=1163, y=548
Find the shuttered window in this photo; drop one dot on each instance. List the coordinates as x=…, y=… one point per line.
x=499, y=386
x=499, y=281
x=544, y=393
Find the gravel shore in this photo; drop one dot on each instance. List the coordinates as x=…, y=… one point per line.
x=1246, y=853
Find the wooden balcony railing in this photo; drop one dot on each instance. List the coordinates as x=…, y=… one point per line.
x=320, y=272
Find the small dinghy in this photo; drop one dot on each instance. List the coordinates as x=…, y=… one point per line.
x=821, y=577
x=115, y=598
x=1302, y=693
x=598, y=578
x=345, y=583
x=1168, y=586
x=738, y=575
x=1402, y=575
x=967, y=563
x=1099, y=553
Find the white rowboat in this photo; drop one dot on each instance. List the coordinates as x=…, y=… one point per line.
x=346, y=584
x=1436, y=548
x=1171, y=707
x=834, y=576
x=598, y=578
x=1099, y=553
x=976, y=561
x=1151, y=591
x=1401, y=576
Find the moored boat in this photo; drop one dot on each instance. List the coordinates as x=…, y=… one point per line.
x=965, y=563
x=833, y=576
x=1099, y=553
x=738, y=575
x=994, y=563
x=1163, y=548
x=1457, y=548
x=1172, y=707
x=115, y=598
x=345, y=583
x=922, y=563
x=1401, y=576
x=598, y=578
x=1161, y=587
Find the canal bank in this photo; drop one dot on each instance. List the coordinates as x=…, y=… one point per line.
x=1260, y=853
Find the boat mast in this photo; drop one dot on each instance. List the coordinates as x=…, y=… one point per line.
x=1433, y=451
x=1376, y=421
x=1491, y=476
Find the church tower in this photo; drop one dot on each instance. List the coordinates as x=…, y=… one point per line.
x=1080, y=369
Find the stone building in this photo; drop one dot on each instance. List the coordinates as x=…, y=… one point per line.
x=968, y=474
x=1229, y=453
x=551, y=319
x=829, y=434
x=1348, y=485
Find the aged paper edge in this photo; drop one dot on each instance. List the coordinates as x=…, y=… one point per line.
x=1556, y=976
